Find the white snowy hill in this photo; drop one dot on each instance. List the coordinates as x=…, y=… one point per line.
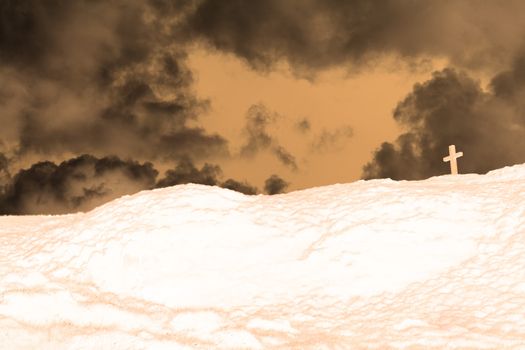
x=434, y=264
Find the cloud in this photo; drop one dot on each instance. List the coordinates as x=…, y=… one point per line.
x=78, y=184
x=285, y=157
x=258, y=119
x=100, y=78
x=332, y=140
x=242, y=187
x=5, y=175
x=186, y=172
x=451, y=108
x=209, y=174
x=303, y=125
x=85, y=182
x=326, y=140
x=318, y=34
x=275, y=185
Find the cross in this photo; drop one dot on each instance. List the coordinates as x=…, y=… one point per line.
x=452, y=156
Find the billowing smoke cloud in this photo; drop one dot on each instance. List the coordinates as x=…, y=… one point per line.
x=316, y=34
x=84, y=182
x=210, y=175
x=451, y=108
x=186, y=172
x=275, y=185
x=78, y=184
x=238, y=186
x=98, y=77
x=258, y=119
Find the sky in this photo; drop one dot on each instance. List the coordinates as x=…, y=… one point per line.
x=99, y=99
x=381, y=264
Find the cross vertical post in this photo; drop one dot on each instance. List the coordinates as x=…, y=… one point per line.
x=452, y=156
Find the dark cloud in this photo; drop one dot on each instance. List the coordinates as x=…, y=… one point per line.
x=332, y=140
x=316, y=34
x=285, y=157
x=451, y=108
x=98, y=77
x=303, y=125
x=5, y=175
x=258, y=138
x=258, y=118
x=78, y=184
x=275, y=185
x=186, y=172
x=3, y=162
x=242, y=187
x=509, y=86
x=210, y=175
x=84, y=182
x=25, y=29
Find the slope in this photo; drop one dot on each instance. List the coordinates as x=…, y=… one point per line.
x=381, y=264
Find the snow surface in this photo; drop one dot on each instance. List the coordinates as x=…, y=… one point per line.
x=434, y=264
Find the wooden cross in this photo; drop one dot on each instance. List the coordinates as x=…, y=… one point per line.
x=452, y=156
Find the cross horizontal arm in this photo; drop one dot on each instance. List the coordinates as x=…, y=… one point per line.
x=455, y=155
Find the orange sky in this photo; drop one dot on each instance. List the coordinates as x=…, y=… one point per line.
x=335, y=99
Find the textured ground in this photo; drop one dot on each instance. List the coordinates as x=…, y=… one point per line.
x=435, y=264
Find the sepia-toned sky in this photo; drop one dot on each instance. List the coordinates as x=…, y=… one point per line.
x=347, y=116
x=99, y=99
